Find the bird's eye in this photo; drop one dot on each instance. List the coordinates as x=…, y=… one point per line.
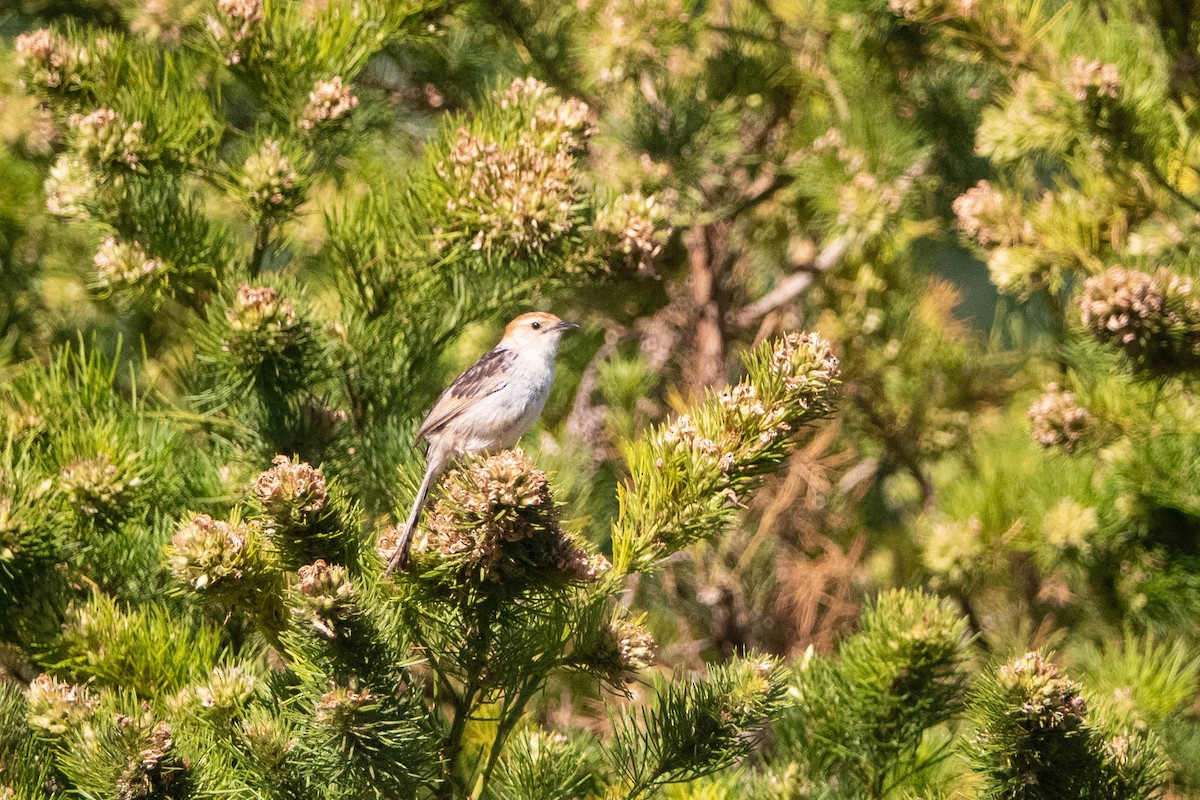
x=535, y=325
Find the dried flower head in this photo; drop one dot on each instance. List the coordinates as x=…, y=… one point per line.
x=227, y=691
x=515, y=196
x=497, y=521
x=638, y=225
x=95, y=487
x=121, y=265
x=342, y=707
x=1093, y=80
x=228, y=560
x=291, y=493
x=635, y=646
x=808, y=367
x=154, y=770
x=69, y=186
x=1058, y=419
x=104, y=138
x=1153, y=319
x=985, y=214
x=236, y=23
x=1044, y=698
x=326, y=597
x=57, y=707
x=261, y=323
x=556, y=123
x=46, y=60
x=388, y=541
x=329, y=100
x=260, y=308
x=932, y=10
x=270, y=180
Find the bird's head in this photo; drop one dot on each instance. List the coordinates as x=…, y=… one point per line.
x=536, y=331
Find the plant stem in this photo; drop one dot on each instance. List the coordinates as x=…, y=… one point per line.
x=262, y=240
x=508, y=719
x=473, y=663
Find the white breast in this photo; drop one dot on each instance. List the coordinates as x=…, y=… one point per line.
x=499, y=420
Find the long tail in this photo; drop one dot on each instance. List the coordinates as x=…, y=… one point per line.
x=432, y=471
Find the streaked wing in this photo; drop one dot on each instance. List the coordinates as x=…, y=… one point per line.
x=485, y=376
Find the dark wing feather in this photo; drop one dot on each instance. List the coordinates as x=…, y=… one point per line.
x=482, y=378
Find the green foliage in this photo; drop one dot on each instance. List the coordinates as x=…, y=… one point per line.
x=699, y=464
x=148, y=651
x=858, y=722
x=303, y=218
x=694, y=727
x=1035, y=739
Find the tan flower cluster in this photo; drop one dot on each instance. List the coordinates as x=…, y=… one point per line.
x=123, y=265
x=517, y=195
x=557, y=124
x=326, y=596
x=1154, y=319
x=227, y=690
x=69, y=185
x=986, y=215
x=340, y=707
x=497, y=520
x=224, y=558
x=1058, y=419
x=522, y=91
x=329, y=100
x=807, y=366
x=867, y=201
x=682, y=434
x=1019, y=270
x=259, y=307
x=638, y=224
x=48, y=60
x=1093, y=79
x=270, y=180
x=745, y=411
x=635, y=646
x=57, y=707
x=150, y=773
x=748, y=419
x=1047, y=699
x=239, y=21
x=260, y=321
x=932, y=10
x=290, y=492
x=105, y=138
x=95, y=487
x=162, y=20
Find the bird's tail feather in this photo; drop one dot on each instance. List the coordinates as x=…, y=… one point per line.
x=400, y=557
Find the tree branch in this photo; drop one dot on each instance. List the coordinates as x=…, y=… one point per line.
x=790, y=287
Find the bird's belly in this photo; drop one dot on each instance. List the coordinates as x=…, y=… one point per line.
x=499, y=421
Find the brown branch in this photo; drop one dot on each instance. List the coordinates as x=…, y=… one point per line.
x=790, y=287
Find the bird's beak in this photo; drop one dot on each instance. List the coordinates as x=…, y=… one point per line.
x=562, y=325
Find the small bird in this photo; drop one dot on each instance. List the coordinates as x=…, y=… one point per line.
x=490, y=406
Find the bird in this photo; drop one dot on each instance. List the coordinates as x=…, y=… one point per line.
x=489, y=406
